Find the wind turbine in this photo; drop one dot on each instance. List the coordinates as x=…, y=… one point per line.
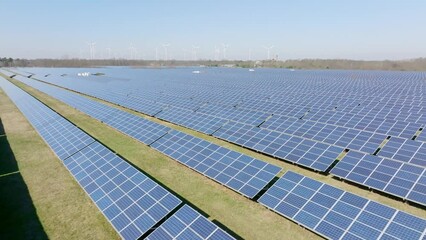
x=156, y=54
x=269, y=51
x=92, y=49
x=132, y=51
x=108, y=49
x=194, y=51
x=249, y=56
x=225, y=46
x=216, y=53
x=184, y=53
x=165, y=46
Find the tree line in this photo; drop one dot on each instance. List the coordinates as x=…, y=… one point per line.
x=418, y=64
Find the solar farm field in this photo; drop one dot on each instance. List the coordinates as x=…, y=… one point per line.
x=226, y=153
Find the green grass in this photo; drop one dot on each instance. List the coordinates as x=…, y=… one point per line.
x=244, y=217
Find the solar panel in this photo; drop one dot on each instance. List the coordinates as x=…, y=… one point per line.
x=336, y=214
x=141, y=105
x=239, y=172
x=365, y=122
x=274, y=107
x=7, y=73
x=190, y=119
x=405, y=150
x=178, y=101
x=137, y=127
x=187, y=223
x=312, y=154
x=131, y=201
x=397, y=178
x=422, y=136
x=249, y=117
x=64, y=138
x=340, y=136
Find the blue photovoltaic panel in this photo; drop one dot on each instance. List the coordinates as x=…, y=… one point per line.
x=131, y=201
x=336, y=135
x=336, y=214
x=422, y=136
x=404, y=150
x=250, y=117
x=144, y=106
x=187, y=223
x=190, y=119
x=312, y=154
x=64, y=138
x=239, y=172
x=366, y=122
x=397, y=178
x=137, y=127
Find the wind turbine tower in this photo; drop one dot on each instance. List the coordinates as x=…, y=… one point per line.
x=132, y=51
x=268, y=49
x=194, y=52
x=225, y=46
x=92, y=49
x=108, y=49
x=165, y=46
x=216, y=53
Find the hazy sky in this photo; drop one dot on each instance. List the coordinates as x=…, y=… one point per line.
x=356, y=29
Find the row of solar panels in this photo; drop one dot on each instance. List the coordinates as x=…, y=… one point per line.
x=333, y=219
x=131, y=201
x=239, y=172
x=337, y=214
x=308, y=153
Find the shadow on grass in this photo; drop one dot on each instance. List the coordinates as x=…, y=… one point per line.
x=1, y=128
x=18, y=216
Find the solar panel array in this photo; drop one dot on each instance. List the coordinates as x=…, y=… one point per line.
x=254, y=113
x=405, y=150
x=404, y=180
x=336, y=214
x=321, y=119
x=354, y=139
x=131, y=201
x=239, y=172
x=190, y=119
x=309, y=153
x=270, y=112
x=187, y=223
x=139, y=128
x=366, y=122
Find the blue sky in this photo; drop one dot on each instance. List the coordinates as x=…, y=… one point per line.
x=355, y=29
